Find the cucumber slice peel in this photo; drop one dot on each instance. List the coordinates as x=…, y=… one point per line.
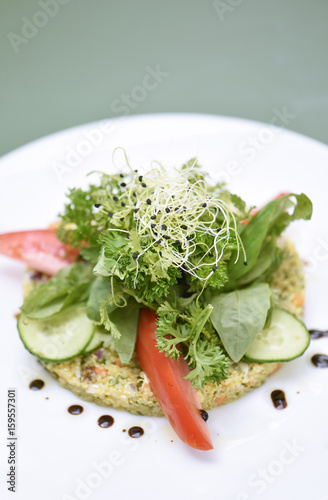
x=101, y=338
x=284, y=339
x=60, y=338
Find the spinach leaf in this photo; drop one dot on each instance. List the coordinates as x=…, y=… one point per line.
x=125, y=321
x=270, y=255
x=239, y=316
x=121, y=322
x=68, y=287
x=270, y=221
x=100, y=292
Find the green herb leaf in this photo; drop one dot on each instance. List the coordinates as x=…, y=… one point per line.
x=192, y=333
x=269, y=258
x=125, y=320
x=271, y=220
x=239, y=316
x=70, y=286
x=100, y=294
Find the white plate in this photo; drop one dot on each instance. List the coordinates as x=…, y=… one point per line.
x=260, y=453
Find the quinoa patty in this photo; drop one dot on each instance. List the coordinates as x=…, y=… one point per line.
x=101, y=378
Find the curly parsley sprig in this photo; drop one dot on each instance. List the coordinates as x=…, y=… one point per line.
x=192, y=333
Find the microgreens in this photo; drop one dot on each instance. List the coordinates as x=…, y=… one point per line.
x=175, y=209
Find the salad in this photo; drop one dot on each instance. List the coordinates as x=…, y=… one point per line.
x=169, y=267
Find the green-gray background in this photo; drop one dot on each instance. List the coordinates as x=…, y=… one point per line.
x=241, y=58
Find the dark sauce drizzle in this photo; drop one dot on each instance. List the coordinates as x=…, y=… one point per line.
x=75, y=410
x=279, y=399
x=105, y=421
x=136, y=432
x=36, y=385
x=320, y=360
x=318, y=334
x=204, y=415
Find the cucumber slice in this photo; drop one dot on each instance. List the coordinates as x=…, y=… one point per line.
x=100, y=338
x=284, y=339
x=58, y=339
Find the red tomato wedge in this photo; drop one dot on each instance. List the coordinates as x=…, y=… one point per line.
x=40, y=249
x=254, y=212
x=175, y=395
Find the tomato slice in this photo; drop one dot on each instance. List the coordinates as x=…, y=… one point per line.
x=40, y=249
x=175, y=395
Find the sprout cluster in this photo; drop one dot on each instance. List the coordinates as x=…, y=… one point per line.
x=174, y=208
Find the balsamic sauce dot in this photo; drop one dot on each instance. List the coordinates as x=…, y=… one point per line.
x=320, y=360
x=318, y=334
x=75, y=410
x=36, y=385
x=204, y=415
x=279, y=399
x=136, y=432
x=105, y=421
